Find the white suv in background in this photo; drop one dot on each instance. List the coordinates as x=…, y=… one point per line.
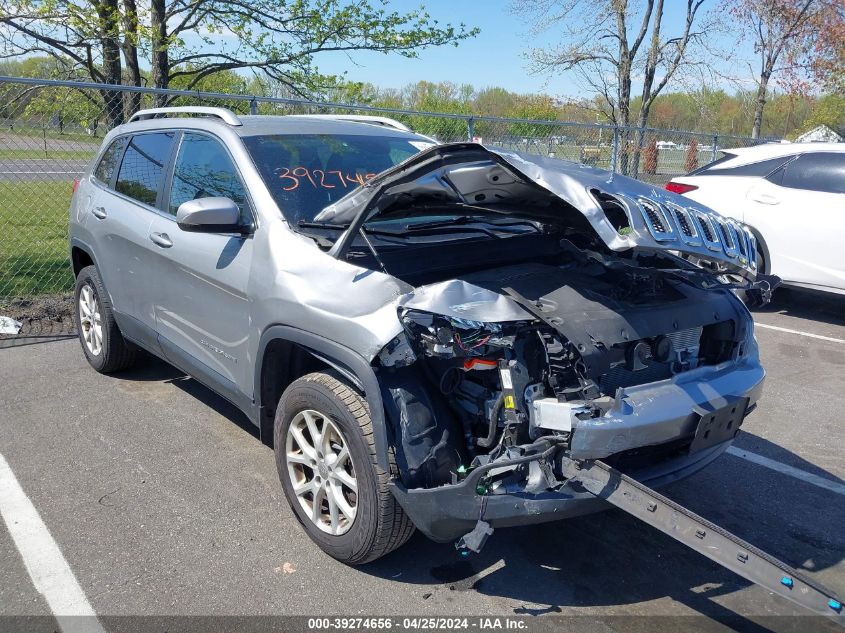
x=792, y=195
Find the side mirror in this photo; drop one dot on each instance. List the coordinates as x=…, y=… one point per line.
x=210, y=215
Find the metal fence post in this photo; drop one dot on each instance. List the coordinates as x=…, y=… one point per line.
x=614, y=149
x=253, y=106
x=715, y=145
x=470, y=128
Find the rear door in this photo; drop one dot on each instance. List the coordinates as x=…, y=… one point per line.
x=800, y=212
x=201, y=308
x=122, y=212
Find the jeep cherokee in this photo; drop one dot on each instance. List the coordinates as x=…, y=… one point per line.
x=421, y=331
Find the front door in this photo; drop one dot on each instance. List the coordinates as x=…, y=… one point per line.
x=201, y=308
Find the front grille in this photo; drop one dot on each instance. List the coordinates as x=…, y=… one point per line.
x=726, y=233
x=706, y=229
x=686, y=229
x=743, y=245
x=653, y=216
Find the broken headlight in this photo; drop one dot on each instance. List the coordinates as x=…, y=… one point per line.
x=443, y=336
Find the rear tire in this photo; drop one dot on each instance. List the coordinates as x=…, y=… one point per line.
x=323, y=438
x=105, y=348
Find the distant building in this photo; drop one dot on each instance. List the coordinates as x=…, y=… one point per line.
x=820, y=134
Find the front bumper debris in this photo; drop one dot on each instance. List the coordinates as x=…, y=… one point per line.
x=445, y=513
x=665, y=414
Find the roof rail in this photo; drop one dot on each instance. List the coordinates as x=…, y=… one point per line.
x=224, y=114
x=361, y=118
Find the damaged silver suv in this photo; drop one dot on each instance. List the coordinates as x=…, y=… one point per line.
x=422, y=332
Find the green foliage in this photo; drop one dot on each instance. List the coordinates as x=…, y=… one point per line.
x=829, y=110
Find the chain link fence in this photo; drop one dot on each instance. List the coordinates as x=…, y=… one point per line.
x=50, y=131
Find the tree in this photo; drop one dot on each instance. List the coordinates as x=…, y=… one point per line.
x=650, y=156
x=607, y=42
x=829, y=110
x=827, y=64
x=691, y=162
x=782, y=32
x=190, y=40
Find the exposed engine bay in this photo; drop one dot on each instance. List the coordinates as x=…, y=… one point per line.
x=554, y=309
x=465, y=392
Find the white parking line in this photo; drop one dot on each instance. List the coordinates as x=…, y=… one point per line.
x=791, y=471
x=48, y=569
x=799, y=333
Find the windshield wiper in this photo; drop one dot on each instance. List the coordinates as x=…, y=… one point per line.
x=309, y=224
x=468, y=220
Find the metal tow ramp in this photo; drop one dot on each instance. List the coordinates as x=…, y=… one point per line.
x=704, y=537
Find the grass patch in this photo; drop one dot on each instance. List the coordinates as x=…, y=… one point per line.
x=61, y=154
x=34, y=257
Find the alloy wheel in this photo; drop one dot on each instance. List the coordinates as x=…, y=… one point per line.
x=90, y=320
x=321, y=471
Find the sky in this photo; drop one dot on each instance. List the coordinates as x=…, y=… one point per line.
x=495, y=57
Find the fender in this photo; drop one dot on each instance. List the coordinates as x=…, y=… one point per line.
x=350, y=364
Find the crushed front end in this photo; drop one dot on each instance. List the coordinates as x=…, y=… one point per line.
x=629, y=365
x=558, y=313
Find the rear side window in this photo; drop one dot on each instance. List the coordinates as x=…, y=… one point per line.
x=204, y=170
x=760, y=169
x=110, y=160
x=709, y=166
x=819, y=171
x=143, y=165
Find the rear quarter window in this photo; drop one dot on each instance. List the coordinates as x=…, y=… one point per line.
x=141, y=170
x=110, y=160
x=759, y=169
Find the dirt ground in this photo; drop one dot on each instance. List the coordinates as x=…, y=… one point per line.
x=48, y=315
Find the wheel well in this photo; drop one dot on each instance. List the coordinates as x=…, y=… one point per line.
x=282, y=363
x=80, y=259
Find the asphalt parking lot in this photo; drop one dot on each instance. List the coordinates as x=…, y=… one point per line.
x=163, y=502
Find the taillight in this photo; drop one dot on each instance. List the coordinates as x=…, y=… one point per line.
x=75, y=185
x=679, y=187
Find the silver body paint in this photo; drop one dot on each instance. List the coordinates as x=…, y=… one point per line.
x=208, y=302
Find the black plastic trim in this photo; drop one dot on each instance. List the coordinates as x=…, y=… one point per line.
x=349, y=363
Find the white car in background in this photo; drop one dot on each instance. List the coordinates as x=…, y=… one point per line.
x=792, y=196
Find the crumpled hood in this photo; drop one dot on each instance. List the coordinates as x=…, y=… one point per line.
x=625, y=213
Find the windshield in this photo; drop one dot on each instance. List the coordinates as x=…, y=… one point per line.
x=305, y=173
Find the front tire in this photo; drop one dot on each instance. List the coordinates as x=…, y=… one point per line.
x=326, y=458
x=105, y=348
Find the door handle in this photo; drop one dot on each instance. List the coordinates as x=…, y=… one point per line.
x=764, y=198
x=99, y=213
x=161, y=239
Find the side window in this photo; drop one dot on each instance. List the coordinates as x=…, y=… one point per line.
x=204, y=170
x=142, y=166
x=819, y=171
x=759, y=169
x=108, y=163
